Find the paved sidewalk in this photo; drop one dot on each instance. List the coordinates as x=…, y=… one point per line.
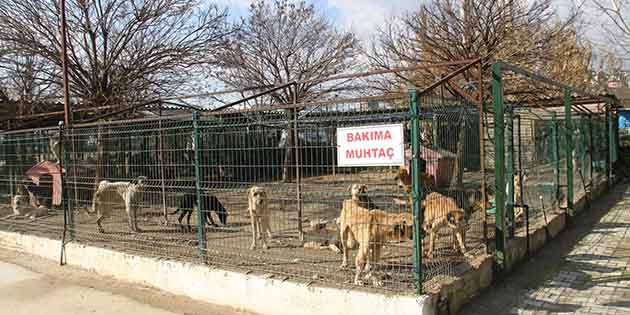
x=586, y=271
x=34, y=286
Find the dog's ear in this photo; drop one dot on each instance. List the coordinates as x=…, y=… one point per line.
x=349, y=188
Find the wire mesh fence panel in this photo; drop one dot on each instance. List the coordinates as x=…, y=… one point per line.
x=535, y=161
x=450, y=152
x=124, y=178
x=289, y=157
x=30, y=185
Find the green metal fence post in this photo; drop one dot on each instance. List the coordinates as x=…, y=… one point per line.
x=608, y=165
x=499, y=163
x=416, y=193
x=509, y=136
x=568, y=126
x=201, y=231
x=555, y=155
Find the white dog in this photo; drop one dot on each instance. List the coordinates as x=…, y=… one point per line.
x=110, y=193
x=259, y=214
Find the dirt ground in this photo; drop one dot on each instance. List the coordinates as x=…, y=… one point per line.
x=228, y=246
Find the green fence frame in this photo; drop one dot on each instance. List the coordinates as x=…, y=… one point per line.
x=504, y=169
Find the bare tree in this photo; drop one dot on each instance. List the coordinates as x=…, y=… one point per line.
x=617, y=13
x=27, y=79
x=281, y=42
x=118, y=50
x=529, y=34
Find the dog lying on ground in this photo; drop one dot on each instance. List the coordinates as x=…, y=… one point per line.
x=370, y=229
x=22, y=207
x=259, y=214
x=440, y=210
x=359, y=195
x=210, y=202
x=110, y=193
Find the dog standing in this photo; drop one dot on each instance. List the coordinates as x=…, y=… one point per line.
x=440, y=210
x=259, y=213
x=370, y=229
x=518, y=195
x=211, y=203
x=109, y=193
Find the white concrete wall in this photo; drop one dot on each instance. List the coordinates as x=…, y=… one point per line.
x=248, y=292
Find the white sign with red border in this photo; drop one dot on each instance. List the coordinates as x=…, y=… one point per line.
x=378, y=145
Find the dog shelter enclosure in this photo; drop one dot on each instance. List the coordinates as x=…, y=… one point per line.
x=526, y=154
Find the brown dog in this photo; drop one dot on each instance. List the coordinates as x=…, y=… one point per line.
x=440, y=210
x=258, y=207
x=370, y=229
x=359, y=195
x=404, y=180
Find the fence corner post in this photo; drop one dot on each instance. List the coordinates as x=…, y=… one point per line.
x=555, y=156
x=569, y=149
x=499, y=164
x=201, y=221
x=416, y=192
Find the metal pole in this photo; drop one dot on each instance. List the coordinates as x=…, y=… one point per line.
x=555, y=156
x=161, y=164
x=568, y=126
x=64, y=65
x=608, y=150
x=510, y=171
x=499, y=167
x=590, y=153
x=416, y=193
x=64, y=194
x=482, y=156
x=201, y=220
x=298, y=177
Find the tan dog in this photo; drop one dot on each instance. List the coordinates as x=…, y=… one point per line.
x=110, y=193
x=259, y=215
x=370, y=229
x=440, y=210
x=359, y=195
x=518, y=194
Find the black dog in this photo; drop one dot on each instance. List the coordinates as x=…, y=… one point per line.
x=210, y=203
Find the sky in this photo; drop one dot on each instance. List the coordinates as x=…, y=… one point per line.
x=360, y=16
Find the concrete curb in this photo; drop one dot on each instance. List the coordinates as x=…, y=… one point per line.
x=247, y=292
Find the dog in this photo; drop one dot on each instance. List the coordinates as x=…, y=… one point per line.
x=370, y=229
x=259, y=214
x=404, y=180
x=519, y=181
x=440, y=210
x=211, y=203
x=23, y=207
x=109, y=193
x=359, y=195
